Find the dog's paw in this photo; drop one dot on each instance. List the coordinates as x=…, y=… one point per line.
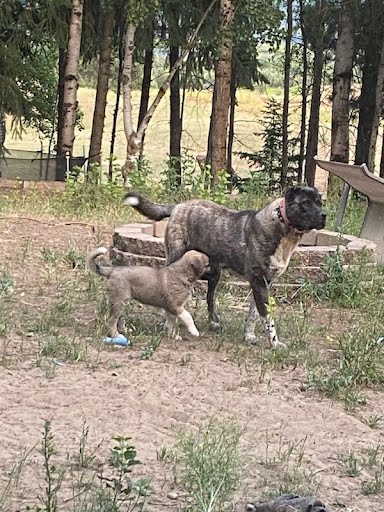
x=215, y=326
x=195, y=332
x=251, y=339
x=177, y=337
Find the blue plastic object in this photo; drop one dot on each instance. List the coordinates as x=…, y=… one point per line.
x=118, y=340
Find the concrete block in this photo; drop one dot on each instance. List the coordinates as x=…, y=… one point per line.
x=159, y=228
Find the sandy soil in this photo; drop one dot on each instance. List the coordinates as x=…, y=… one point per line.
x=182, y=385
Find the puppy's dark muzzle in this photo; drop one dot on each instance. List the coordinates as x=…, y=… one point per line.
x=322, y=221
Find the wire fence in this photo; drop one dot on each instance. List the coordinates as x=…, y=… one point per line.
x=16, y=164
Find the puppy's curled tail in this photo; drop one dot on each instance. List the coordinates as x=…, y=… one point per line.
x=92, y=264
x=153, y=211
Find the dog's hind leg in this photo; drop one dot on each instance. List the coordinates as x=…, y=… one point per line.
x=117, y=296
x=116, y=310
x=260, y=293
x=187, y=320
x=175, y=245
x=170, y=325
x=213, y=277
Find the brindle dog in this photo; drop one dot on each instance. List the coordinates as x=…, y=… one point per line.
x=256, y=245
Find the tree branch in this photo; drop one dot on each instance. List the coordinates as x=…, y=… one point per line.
x=163, y=89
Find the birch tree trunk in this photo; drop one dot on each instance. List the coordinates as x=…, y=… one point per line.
x=342, y=75
x=314, y=118
x=287, y=78
x=102, y=87
x=71, y=77
x=133, y=142
x=220, y=108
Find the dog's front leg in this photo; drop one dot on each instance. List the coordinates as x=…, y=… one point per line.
x=260, y=294
x=250, y=323
x=213, y=278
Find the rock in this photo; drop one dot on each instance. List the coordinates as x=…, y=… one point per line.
x=172, y=495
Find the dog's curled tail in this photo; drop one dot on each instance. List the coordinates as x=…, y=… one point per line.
x=94, y=266
x=153, y=211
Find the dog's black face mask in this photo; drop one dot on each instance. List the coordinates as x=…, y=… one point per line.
x=304, y=208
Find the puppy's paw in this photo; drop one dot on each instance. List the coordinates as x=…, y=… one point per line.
x=177, y=337
x=251, y=339
x=194, y=332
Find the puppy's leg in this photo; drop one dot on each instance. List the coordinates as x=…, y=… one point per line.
x=260, y=293
x=170, y=325
x=250, y=322
x=187, y=320
x=117, y=296
x=213, y=278
x=116, y=309
x=121, y=327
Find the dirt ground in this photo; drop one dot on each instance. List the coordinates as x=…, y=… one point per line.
x=118, y=392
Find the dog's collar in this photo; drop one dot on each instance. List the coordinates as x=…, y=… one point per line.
x=282, y=214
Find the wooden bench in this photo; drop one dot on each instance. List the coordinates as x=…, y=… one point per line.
x=372, y=186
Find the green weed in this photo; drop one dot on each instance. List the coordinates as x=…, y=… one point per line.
x=358, y=363
x=342, y=285
x=72, y=350
x=351, y=463
x=209, y=466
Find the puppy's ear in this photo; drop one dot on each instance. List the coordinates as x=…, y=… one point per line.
x=198, y=265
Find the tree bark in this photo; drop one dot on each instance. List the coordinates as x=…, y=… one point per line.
x=304, y=94
x=220, y=108
x=342, y=75
x=102, y=87
x=377, y=112
x=314, y=117
x=175, y=117
x=208, y=160
x=60, y=99
x=71, y=77
x=382, y=157
x=231, y=130
x=372, y=29
x=146, y=84
x=3, y=130
x=287, y=78
x=116, y=110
